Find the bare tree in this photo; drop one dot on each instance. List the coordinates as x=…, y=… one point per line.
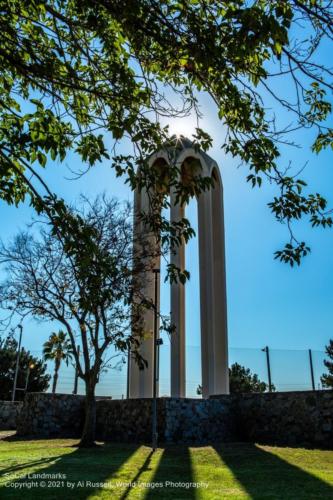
x=94, y=297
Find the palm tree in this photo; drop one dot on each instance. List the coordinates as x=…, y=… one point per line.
x=58, y=348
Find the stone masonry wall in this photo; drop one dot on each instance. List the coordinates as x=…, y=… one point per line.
x=292, y=418
x=8, y=414
x=128, y=420
x=198, y=420
x=179, y=420
x=289, y=418
x=51, y=415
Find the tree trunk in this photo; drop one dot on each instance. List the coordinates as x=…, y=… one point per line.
x=55, y=376
x=89, y=428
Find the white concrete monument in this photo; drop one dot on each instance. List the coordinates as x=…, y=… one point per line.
x=213, y=304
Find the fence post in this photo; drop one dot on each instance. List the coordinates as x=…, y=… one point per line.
x=311, y=370
x=266, y=350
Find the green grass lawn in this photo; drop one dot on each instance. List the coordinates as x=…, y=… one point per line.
x=226, y=471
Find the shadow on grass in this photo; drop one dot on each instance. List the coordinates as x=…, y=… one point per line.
x=265, y=475
x=83, y=470
x=145, y=467
x=260, y=472
x=25, y=465
x=13, y=437
x=174, y=468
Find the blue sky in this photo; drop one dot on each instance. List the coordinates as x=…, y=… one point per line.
x=269, y=303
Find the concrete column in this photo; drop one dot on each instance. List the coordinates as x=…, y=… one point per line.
x=141, y=381
x=220, y=330
x=178, y=389
x=133, y=371
x=206, y=291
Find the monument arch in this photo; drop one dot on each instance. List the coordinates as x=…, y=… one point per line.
x=213, y=299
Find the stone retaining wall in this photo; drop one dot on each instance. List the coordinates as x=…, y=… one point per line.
x=293, y=418
x=198, y=420
x=178, y=420
x=8, y=414
x=128, y=420
x=51, y=415
x=289, y=418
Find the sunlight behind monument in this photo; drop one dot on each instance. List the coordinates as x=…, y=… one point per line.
x=182, y=126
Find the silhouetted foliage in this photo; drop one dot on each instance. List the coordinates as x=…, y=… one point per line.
x=242, y=380
x=57, y=348
x=327, y=378
x=38, y=378
x=75, y=73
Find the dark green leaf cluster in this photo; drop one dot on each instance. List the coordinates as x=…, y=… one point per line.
x=241, y=380
x=292, y=253
x=38, y=378
x=327, y=378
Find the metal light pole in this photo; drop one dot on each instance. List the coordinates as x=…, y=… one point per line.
x=76, y=376
x=266, y=350
x=154, y=419
x=17, y=362
x=128, y=372
x=159, y=342
x=30, y=367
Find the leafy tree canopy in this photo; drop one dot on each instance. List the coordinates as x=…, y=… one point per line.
x=75, y=72
x=38, y=378
x=242, y=380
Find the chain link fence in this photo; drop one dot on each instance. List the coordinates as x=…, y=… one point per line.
x=290, y=370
